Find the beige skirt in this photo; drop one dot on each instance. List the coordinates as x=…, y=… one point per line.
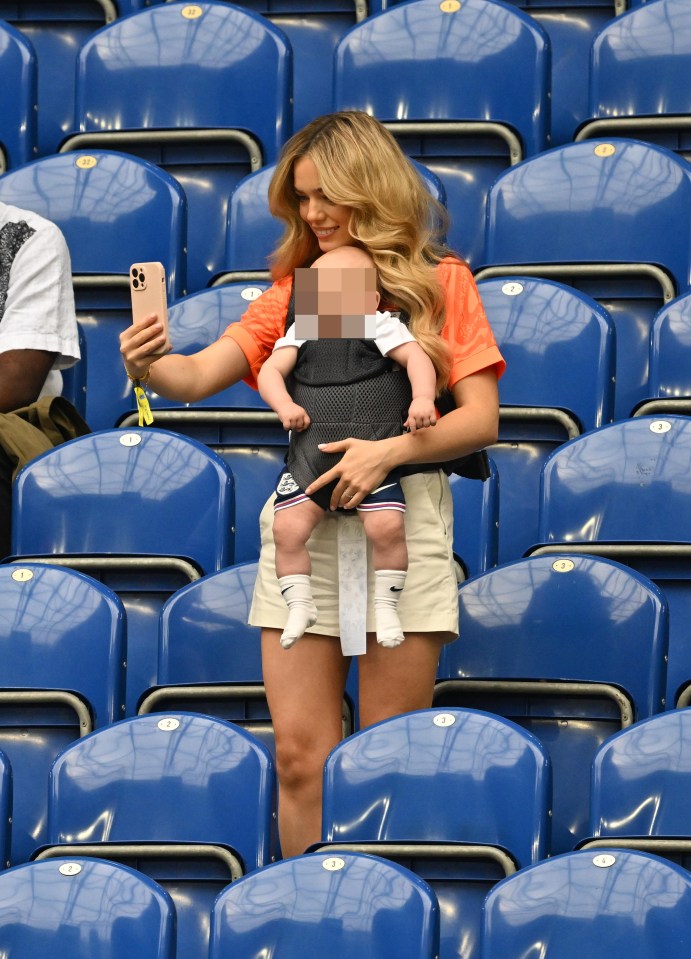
x=429, y=602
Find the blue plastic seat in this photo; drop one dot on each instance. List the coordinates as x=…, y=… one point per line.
x=609, y=217
x=114, y=210
x=147, y=511
x=253, y=233
x=187, y=799
x=624, y=492
x=669, y=379
x=63, y=650
x=571, y=26
x=570, y=647
x=475, y=521
x=640, y=788
x=313, y=28
x=347, y=906
x=85, y=908
x=442, y=79
x=56, y=32
x=18, y=79
x=559, y=347
x=460, y=797
x=202, y=90
x=609, y=904
x=637, y=77
x=6, y=797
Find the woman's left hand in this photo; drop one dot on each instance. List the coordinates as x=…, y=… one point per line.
x=361, y=469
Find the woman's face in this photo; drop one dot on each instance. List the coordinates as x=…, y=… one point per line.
x=329, y=221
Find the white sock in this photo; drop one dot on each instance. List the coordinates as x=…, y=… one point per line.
x=302, y=613
x=388, y=584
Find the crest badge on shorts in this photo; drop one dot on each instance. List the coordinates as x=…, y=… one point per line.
x=287, y=485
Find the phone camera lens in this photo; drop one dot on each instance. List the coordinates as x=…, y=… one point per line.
x=135, y=284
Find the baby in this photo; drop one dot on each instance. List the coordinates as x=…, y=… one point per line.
x=336, y=301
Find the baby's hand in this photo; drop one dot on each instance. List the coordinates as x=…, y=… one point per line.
x=421, y=413
x=293, y=417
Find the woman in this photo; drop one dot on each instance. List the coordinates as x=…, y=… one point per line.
x=341, y=181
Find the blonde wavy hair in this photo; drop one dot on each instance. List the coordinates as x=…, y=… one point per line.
x=393, y=217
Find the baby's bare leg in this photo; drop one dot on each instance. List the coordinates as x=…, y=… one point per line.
x=292, y=527
x=385, y=530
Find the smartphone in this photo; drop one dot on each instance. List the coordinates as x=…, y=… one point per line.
x=148, y=292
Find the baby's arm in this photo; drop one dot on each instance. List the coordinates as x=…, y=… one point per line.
x=272, y=388
x=423, y=379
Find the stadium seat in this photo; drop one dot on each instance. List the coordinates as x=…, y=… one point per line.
x=559, y=347
x=146, y=511
x=63, y=650
x=84, y=908
x=5, y=810
x=571, y=26
x=609, y=217
x=460, y=797
x=114, y=210
x=475, y=521
x=669, y=379
x=313, y=28
x=347, y=906
x=622, y=492
x=253, y=233
x=637, y=77
x=442, y=80
x=187, y=799
x=202, y=90
x=640, y=788
x=209, y=658
x=570, y=647
x=609, y=904
x=56, y=31
x=74, y=378
x=18, y=78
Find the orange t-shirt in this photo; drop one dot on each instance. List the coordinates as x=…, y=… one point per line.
x=466, y=329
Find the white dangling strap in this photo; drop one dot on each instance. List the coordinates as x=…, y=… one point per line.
x=352, y=585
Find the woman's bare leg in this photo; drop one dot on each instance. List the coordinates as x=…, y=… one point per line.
x=395, y=681
x=304, y=688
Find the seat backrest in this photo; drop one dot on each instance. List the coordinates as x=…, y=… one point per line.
x=63, y=648
x=18, y=93
x=176, y=65
x=597, y=903
x=475, y=521
x=180, y=778
x=348, y=905
x=6, y=808
x=204, y=90
x=641, y=780
x=55, y=31
x=615, y=201
x=253, y=233
x=114, y=210
x=640, y=62
x=558, y=344
x=128, y=493
x=625, y=482
x=426, y=62
x=86, y=908
x=204, y=635
x=556, y=618
x=402, y=780
x=62, y=630
x=670, y=350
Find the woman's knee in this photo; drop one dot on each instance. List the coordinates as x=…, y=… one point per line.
x=300, y=758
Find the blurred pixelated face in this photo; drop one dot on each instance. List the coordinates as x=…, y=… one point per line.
x=335, y=303
x=328, y=221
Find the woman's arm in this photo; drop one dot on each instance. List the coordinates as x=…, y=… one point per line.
x=183, y=378
x=472, y=426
